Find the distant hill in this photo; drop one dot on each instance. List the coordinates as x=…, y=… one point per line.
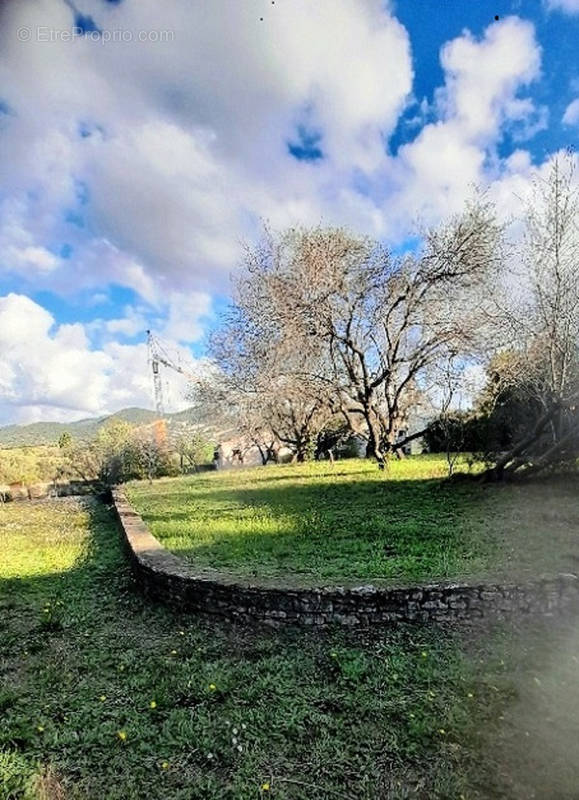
x=49, y=432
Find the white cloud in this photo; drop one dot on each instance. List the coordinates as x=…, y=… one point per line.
x=482, y=77
x=152, y=161
x=567, y=6
x=49, y=371
x=179, y=318
x=571, y=115
x=185, y=143
x=132, y=324
x=436, y=172
x=186, y=313
x=36, y=258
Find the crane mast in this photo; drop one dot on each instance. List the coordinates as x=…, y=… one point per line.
x=157, y=384
x=158, y=355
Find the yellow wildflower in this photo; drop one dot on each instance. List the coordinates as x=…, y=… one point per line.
x=424, y=654
x=40, y=728
x=441, y=731
x=153, y=704
x=122, y=735
x=102, y=698
x=212, y=687
x=265, y=787
x=165, y=765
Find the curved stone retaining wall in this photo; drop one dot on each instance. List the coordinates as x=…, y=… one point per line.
x=41, y=491
x=170, y=579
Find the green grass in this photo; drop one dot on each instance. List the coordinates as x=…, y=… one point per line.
x=405, y=712
x=348, y=523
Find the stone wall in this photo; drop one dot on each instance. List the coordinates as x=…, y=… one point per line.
x=166, y=577
x=41, y=491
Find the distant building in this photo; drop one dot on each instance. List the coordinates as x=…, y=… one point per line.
x=234, y=450
x=417, y=422
x=238, y=451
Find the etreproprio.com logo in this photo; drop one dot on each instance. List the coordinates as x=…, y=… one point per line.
x=43, y=33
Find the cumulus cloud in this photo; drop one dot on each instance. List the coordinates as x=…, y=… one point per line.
x=167, y=153
x=436, y=172
x=186, y=315
x=131, y=324
x=50, y=371
x=146, y=163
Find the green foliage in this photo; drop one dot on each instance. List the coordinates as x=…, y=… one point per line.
x=317, y=523
x=320, y=714
x=17, y=777
x=118, y=453
x=194, y=449
x=504, y=414
x=457, y=431
x=30, y=465
x=65, y=440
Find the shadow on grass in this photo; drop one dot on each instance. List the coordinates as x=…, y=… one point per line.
x=96, y=559
x=374, y=715
x=395, y=529
x=384, y=531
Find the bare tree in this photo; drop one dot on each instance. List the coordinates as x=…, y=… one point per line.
x=540, y=325
x=296, y=417
x=450, y=423
x=265, y=383
x=221, y=406
x=368, y=327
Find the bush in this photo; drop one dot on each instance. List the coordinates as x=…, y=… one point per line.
x=120, y=453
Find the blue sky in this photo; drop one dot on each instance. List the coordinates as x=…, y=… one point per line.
x=431, y=24
x=140, y=150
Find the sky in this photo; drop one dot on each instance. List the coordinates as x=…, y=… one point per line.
x=143, y=143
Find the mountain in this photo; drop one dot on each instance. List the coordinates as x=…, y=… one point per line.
x=49, y=432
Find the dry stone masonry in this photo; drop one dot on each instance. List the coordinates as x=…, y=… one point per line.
x=16, y=492
x=166, y=577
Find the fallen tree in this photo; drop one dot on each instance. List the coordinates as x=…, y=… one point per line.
x=539, y=319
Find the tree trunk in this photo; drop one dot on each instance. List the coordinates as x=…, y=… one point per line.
x=301, y=453
x=516, y=454
x=373, y=448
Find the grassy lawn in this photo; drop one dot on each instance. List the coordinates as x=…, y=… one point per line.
x=316, y=523
x=103, y=695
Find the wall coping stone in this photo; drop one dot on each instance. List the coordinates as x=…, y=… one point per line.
x=169, y=578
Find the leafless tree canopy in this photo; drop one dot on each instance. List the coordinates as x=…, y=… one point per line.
x=325, y=324
x=537, y=333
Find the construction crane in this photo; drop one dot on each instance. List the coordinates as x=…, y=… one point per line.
x=158, y=354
